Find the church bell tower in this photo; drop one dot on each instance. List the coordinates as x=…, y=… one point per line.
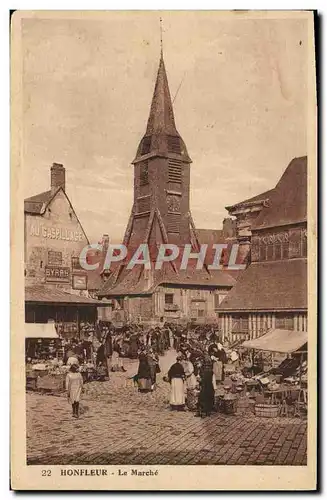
x=161, y=207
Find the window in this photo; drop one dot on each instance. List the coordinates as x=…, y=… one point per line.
x=76, y=263
x=240, y=324
x=284, y=321
x=219, y=297
x=146, y=145
x=200, y=313
x=174, y=144
x=262, y=252
x=285, y=246
x=278, y=251
x=174, y=171
x=144, y=173
x=270, y=252
x=54, y=258
x=169, y=298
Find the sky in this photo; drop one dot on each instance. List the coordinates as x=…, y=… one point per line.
x=241, y=106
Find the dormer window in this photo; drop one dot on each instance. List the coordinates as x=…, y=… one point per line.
x=146, y=145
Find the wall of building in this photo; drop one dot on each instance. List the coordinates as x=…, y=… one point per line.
x=243, y=326
x=174, y=304
x=177, y=303
x=139, y=308
x=51, y=240
x=279, y=243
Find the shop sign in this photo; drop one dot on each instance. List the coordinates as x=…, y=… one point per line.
x=56, y=233
x=79, y=282
x=57, y=274
x=54, y=258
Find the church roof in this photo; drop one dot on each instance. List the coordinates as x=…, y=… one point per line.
x=288, y=201
x=161, y=118
x=135, y=281
x=161, y=136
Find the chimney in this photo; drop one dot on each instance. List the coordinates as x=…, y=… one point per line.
x=58, y=177
x=105, y=242
x=229, y=228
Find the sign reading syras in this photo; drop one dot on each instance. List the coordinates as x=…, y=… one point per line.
x=57, y=274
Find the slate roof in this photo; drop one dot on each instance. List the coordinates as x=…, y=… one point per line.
x=288, y=202
x=269, y=286
x=35, y=204
x=51, y=295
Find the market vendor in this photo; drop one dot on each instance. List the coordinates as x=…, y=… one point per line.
x=72, y=360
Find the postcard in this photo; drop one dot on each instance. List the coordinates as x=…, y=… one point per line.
x=163, y=244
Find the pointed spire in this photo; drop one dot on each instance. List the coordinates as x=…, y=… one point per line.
x=161, y=136
x=161, y=118
x=161, y=43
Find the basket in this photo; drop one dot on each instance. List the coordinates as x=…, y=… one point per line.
x=229, y=406
x=265, y=410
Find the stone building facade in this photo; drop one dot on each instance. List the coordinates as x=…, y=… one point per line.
x=56, y=287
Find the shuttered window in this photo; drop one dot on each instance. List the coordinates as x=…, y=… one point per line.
x=144, y=173
x=173, y=223
x=174, y=144
x=143, y=204
x=174, y=171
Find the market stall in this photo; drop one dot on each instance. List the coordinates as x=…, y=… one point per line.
x=283, y=387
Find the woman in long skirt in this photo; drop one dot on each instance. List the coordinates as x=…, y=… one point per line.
x=191, y=383
x=153, y=361
x=176, y=376
x=206, y=401
x=74, y=384
x=143, y=376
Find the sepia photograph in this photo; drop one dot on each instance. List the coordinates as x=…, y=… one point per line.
x=164, y=225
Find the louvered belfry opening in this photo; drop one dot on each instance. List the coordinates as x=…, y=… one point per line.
x=173, y=223
x=144, y=173
x=174, y=171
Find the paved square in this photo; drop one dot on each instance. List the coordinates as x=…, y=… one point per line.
x=120, y=426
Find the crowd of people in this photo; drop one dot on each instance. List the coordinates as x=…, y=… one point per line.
x=193, y=378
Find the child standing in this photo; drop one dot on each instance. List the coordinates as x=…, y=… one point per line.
x=74, y=384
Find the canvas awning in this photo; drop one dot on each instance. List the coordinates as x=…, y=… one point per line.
x=285, y=341
x=40, y=331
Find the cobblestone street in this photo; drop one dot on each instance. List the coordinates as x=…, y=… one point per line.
x=120, y=426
